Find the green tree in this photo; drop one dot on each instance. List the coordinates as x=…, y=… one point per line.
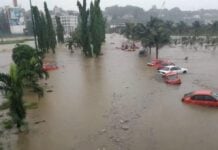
x=97, y=27
x=51, y=33
x=157, y=34
x=59, y=30
x=45, y=37
x=214, y=28
x=30, y=66
x=38, y=27
x=182, y=28
x=41, y=30
x=12, y=88
x=84, y=29
x=196, y=26
x=128, y=30
x=4, y=24
x=141, y=32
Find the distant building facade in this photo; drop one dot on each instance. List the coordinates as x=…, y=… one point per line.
x=15, y=17
x=69, y=19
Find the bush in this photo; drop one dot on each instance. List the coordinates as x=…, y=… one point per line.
x=4, y=105
x=7, y=124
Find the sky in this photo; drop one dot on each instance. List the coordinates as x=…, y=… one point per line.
x=145, y=4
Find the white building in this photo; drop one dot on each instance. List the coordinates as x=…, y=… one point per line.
x=69, y=23
x=69, y=19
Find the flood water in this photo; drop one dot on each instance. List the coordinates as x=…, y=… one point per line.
x=116, y=102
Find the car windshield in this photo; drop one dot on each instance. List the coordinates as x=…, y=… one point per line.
x=215, y=95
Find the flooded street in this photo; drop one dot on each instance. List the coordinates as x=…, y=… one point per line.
x=117, y=102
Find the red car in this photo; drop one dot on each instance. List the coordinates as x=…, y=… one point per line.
x=49, y=67
x=154, y=62
x=159, y=63
x=201, y=97
x=172, y=78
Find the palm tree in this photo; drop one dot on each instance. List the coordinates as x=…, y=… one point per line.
x=157, y=34
x=12, y=88
x=128, y=30
x=141, y=32
x=30, y=66
x=182, y=28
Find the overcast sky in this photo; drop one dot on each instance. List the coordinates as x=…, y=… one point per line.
x=146, y=4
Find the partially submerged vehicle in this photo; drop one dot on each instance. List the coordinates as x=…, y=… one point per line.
x=172, y=68
x=160, y=63
x=172, y=78
x=155, y=62
x=201, y=97
x=49, y=67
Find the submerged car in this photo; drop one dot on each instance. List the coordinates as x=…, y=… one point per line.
x=159, y=63
x=172, y=68
x=201, y=97
x=49, y=67
x=154, y=62
x=172, y=78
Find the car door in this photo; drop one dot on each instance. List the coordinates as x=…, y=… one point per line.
x=198, y=99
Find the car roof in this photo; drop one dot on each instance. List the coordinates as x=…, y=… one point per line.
x=202, y=92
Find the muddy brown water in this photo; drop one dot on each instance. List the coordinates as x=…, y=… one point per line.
x=116, y=102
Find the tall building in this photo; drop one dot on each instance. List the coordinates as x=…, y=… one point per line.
x=69, y=22
x=69, y=19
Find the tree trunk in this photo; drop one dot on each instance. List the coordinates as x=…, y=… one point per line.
x=157, y=51
x=150, y=50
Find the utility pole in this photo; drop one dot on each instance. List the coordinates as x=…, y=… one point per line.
x=33, y=23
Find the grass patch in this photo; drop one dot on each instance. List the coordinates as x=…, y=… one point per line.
x=33, y=105
x=7, y=124
x=5, y=105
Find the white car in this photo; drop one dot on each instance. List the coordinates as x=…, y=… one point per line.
x=172, y=68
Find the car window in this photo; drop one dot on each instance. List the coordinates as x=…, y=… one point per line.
x=198, y=97
x=209, y=98
x=173, y=68
x=178, y=68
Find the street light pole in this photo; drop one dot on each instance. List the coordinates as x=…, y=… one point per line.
x=33, y=23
